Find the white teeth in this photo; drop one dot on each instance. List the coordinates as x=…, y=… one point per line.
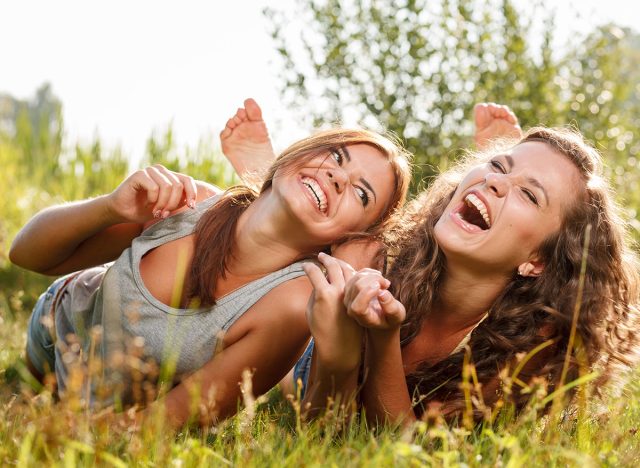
x=473, y=199
x=317, y=192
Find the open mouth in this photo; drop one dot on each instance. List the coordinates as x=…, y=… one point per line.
x=475, y=212
x=314, y=189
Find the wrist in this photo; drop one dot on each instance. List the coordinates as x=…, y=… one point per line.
x=108, y=212
x=382, y=339
x=338, y=361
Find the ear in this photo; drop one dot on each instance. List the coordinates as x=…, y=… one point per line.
x=532, y=268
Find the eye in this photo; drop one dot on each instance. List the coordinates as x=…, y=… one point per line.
x=498, y=165
x=530, y=196
x=364, y=197
x=335, y=154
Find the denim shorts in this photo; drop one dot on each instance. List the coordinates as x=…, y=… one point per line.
x=41, y=331
x=302, y=369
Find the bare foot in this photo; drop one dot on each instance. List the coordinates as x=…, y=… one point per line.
x=245, y=140
x=494, y=121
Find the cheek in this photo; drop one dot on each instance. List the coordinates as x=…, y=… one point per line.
x=531, y=234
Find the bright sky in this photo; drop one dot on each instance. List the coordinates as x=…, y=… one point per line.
x=124, y=68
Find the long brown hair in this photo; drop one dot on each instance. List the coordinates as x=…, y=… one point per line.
x=529, y=311
x=215, y=230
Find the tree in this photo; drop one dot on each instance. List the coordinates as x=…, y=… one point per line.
x=416, y=68
x=413, y=67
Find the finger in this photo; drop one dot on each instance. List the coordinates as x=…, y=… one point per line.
x=164, y=189
x=141, y=181
x=176, y=192
x=315, y=275
x=393, y=311
x=361, y=302
x=364, y=282
x=354, y=285
x=334, y=270
x=190, y=189
x=365, y=307
x=347, y=270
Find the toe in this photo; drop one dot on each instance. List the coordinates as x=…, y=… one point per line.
x=226, y=133
x=253, y=109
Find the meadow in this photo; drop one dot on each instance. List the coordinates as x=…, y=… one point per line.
x=35, y=429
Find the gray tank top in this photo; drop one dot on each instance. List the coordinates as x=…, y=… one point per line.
x=110, y=307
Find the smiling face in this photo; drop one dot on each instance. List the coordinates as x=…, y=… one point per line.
x=503, y=210
x=345, y=190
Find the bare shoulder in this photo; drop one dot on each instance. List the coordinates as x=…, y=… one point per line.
x=281, y=309
x=289, y=299
x=294, y=294
x=206, y=190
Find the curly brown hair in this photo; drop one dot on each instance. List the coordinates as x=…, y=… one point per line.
x=530, y=310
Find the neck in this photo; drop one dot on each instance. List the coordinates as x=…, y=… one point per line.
x=465, y=297
x=267, y=239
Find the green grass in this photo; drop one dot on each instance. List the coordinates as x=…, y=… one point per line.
x=36, y=430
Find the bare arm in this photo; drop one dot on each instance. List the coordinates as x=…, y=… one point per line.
x=385, y=395
x=337, y=338
x=72, y=236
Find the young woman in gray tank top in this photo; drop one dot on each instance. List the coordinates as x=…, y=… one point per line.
x=203, y=284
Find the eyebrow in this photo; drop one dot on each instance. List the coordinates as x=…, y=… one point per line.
x=345, y=152
x=368, y=185
x=347, y=156
x=531, y=180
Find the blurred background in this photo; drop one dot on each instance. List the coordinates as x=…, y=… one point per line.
x=90, y=91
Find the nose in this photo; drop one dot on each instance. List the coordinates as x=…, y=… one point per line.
x=338, y=177
x=497, y=183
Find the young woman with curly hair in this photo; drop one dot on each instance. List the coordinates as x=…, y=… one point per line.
x=489, y=260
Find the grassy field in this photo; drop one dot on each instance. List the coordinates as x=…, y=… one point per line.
x=35, y=430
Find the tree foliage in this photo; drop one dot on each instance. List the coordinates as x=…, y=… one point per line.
x=416, y=68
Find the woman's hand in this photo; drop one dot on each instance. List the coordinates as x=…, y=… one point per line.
x=152, y=192
x=338, y=339
x=369, y=302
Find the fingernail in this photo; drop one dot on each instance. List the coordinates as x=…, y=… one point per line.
x=191, y=204
x=322, y=254
x=165, y=213
x=157, y=213
x=383, y=295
